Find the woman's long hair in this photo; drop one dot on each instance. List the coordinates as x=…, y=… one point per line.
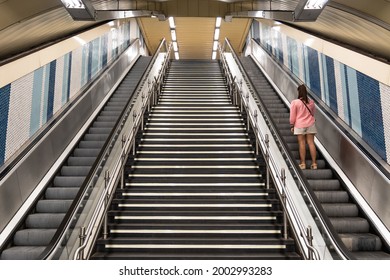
x=302, y=93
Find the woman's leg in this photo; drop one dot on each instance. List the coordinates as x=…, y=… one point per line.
x=302, y=148
x=312, y=148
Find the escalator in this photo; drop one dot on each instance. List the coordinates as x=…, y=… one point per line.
x=40, y=225
x=347, y=219
x=194, y=189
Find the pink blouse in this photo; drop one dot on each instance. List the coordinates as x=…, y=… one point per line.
x=300, y=116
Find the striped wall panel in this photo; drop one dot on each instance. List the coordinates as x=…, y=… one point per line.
x=362, y=102
x=28, y=103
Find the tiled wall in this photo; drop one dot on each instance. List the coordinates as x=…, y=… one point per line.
x=29, y=102
x=362, y=102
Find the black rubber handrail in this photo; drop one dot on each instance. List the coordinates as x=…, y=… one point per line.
x=330, y=114
x=347, y=133
x=95, y=167
x=41, y=135
x=294, y=166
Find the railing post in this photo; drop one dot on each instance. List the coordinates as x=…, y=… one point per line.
x=82, y=236
x=156, y=92
x=247, y=112
x=267, y=157
x=134, y=131
x=241, y=99
x=105, y=223
x=235, y=94
x=309, y=236
x=256, y=130
x=142, y=111
x=284, y=198
x=123, y=159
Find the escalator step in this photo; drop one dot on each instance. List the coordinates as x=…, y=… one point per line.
x=33, y=237
x=361, y=242
x=53, y=206
x=44, y=220
x=350, y=224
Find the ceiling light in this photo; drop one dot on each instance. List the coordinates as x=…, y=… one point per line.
x=315, y=4
x=215, y=46
x=177, y=56
x=258, y=14
x=218, y=22
x=216, y=34
x=309, y=10
x=73, y=4
x=175, y=47
x=214, y=55
x=171, y=22
x=173, y=35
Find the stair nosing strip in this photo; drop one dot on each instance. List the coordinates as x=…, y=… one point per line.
x=194, y=166
x=194, y=152
x=195, y=159
x=195, y=218
x=194, y=194
x=193, y=246
x=195, y=145
x=193, y=231
x=189, y=205
x=195, y=175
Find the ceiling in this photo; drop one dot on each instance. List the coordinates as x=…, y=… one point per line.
x=360, y=24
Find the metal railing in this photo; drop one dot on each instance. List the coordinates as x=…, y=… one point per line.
x=333, y=240
x=90, y=214
x=340, y=137
x=299, y=219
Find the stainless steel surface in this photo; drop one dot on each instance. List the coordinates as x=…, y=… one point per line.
x=10, y=200
x=373, y=186
x=122, y=142
x=359, y=23
x=294, y=208
x=23, y=179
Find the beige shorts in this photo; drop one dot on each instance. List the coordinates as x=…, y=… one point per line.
x=306, y=130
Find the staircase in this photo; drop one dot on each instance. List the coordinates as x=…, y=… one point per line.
x=40, y=226
x=194, y=189
x=353, y=228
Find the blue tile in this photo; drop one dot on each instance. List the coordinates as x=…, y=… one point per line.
x=51, y=90
x=314, y=71
x=5, y=93
x=331, y=84
x=371, y=113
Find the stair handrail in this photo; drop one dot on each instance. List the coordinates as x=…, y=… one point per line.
x=102, y=187
x=331, y=234
x=4, y=241
x=245, y=93
x=330, y=115
x=111, y=182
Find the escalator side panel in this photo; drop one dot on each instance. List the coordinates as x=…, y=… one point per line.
x=40, y=226
x=354, y=229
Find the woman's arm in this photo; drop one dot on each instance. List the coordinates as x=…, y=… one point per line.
x=293, y=115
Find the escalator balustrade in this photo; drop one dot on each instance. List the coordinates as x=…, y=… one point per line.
x=353, y=228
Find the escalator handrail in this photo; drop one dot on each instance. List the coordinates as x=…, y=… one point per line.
x=93, y=171
x=110, y=191
x=42, y=134
x=283, y=192
x=347, y=133
x=381, y=165
x=317, y=207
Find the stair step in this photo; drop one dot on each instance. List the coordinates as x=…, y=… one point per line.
x=195, y=188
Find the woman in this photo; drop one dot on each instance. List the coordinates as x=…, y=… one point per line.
x=302, y=123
